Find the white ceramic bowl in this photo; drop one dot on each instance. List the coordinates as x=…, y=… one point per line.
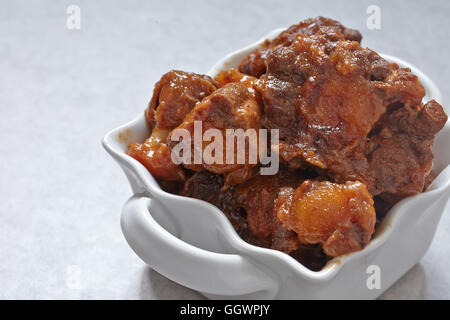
x=191, y=241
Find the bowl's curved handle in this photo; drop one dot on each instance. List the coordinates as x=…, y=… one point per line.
x=205, y=271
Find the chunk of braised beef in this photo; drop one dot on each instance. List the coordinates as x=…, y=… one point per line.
x=255, y=62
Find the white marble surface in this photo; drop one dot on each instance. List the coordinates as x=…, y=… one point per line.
x=61, y=90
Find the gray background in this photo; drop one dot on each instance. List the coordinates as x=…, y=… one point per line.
x=62, y=90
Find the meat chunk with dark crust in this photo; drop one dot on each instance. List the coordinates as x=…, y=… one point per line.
x=258, y=196
x=254, y=63
x=174, y=95
x=399, y=153
x=234, y=106
x=319, y=94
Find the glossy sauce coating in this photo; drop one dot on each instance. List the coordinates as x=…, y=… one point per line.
x=340, y=217
x=355, y=138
